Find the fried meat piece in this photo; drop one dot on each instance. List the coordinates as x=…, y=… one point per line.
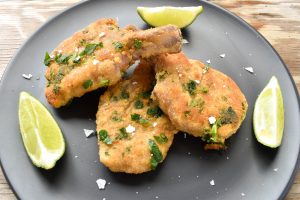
x=98, y=55
x=134, y=135
x=198, y=99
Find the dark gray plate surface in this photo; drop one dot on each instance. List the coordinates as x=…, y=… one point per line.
x=246, y=170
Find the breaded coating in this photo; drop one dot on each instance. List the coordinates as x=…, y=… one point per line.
x=98, y=56
x=134, y=135
x=198, y=99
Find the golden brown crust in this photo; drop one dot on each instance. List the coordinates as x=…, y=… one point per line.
x=103, y=66
x=132, y=154
x=189, y=93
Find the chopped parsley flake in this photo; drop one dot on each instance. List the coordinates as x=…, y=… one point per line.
x=228, y=116
x=197, y=103
x=118, y=46
x=145, y=95
x=204, y=89
x=63, y=59
x=115, y=117
x=104, y=83
x=47, y=59
x=87, y=84
x=206, y=68
x=135, y=117
x=161, y=139
x=90, y=48
x=155, y=112
x=56, y=89
x=162, y=75
x=156, y=157
x=103, y=136
x=191, y=87
x=138, y=44
x=123, y=134
x=138, y=104
x=139, y=119
x=124, y=94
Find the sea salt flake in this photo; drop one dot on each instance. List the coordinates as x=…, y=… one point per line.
x=102, y=34
x=197, y=81
x=212, y=182
x=208, y=61
x=130, y=129
x=222, y=55
x=180, y=75
x=156, y=197
x=184, y=41
x=134, y=83
x=243, y=194
x=249, y=69
x=101, y=183
x=212, y=119
x=154, y=124
x=28, y=77
x=275, y=169
x=88, y=132
x=95, y=62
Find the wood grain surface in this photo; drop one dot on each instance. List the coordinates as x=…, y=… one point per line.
x=277, y=20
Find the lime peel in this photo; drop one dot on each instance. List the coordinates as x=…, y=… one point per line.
x=268, y=116
x=160, y=16
x=42, y=137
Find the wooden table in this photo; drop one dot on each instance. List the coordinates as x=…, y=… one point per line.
x=277, y=20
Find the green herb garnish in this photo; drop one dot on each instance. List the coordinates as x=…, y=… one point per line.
x=135, y=117
x=161, y=139
x=139, y=119
x=63, y=59
x=87, y=84
x=90, y=48
x=138, y=43
x=156, y=155
x=124, y=94
x=118, y=46
x=187, y=113
x=204, y=89
x=103, y=136
x=115, y=117
x=104, y=83
x=138, y=104
x=47, y=59
x=228, y=116
x=122, y=135
x=155, y=112
x=197, y=103
x=145, y=95
x=56, y=89
x=191, y=87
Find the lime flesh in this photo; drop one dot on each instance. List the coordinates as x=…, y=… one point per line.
x=42, y=137
x=160, y=16
x=268, y=117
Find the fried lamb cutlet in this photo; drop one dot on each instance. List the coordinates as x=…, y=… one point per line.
x=134, y=135
x=198, y=99
x=98, y=55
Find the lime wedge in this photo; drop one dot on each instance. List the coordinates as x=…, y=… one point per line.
x=41, y=135
x=268, y=117
x=179, y=16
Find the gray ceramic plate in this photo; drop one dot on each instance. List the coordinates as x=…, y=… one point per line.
x=246, y=170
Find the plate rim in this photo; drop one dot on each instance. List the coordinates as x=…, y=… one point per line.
x=240, y=20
